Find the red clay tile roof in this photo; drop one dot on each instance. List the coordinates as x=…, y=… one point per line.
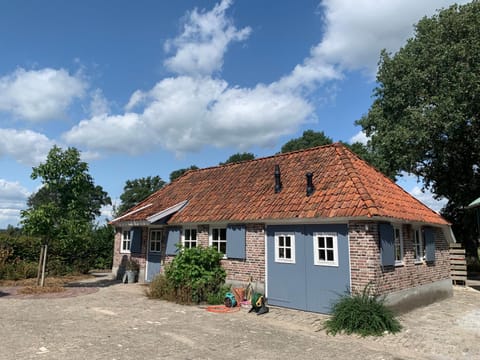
x=345, y=186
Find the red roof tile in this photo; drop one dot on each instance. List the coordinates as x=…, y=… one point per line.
x=345, y=186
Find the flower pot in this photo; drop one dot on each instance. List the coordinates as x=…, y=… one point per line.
x=131, y=276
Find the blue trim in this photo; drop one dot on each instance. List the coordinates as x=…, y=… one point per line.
x=136, y=236
x=173, y=238
x=429, y=244
x=387, y=244
x=236, y=241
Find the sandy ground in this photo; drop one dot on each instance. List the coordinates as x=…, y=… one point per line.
x=116, y=321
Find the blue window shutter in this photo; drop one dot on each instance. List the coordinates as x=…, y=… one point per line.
x=429, y=244
x=136, y=238
x=387, y=245
x=236, y=242
x=173, y=238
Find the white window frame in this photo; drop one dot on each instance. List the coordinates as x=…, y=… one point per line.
x=316, y=249
x=126, y=241
x=418, y=245
x=189, y=241
x=285, y=260
x=219, y=241
x=398, y=244
x=157, y=240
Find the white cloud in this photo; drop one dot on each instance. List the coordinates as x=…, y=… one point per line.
x=356, y=31
x=99, y=104
x=360, y=137
x=183, y=114
x=25, y=146
x=200, y=48
x=13, y=198
x=39, y=95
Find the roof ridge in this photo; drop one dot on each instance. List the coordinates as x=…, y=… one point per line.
x=266, y=157
x=362, y=190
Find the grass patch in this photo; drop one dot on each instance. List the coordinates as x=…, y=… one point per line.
x=364, y=314
x=49, y=281
x=34, y=290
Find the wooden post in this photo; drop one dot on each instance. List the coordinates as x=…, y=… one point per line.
x=40, y=263
x=43, y=266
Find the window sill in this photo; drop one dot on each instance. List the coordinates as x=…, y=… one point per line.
x=419, y=262
x=326, y=264
x=125, y=252
x=399, y=264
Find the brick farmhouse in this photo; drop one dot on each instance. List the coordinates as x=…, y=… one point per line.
x=305, y=227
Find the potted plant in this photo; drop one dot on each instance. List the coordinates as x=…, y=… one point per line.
x=132, y=266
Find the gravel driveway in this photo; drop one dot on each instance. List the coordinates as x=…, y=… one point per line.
x=119, y=322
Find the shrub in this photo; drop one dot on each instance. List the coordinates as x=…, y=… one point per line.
x=192, y=276
x=364, y=314
x=218, y=298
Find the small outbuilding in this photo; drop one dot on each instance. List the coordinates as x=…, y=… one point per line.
x=306, y=227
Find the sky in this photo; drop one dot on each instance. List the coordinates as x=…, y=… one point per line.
x=143, y=88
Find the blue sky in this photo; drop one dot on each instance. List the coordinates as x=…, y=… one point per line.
x=147, y=87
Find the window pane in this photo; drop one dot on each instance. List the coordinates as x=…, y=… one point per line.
x=223, y=234
x=330, y=255
x=330, y=242
x=223, y=247
x=281, y=253
x=281, y=241
x=193, y=244
x=321, y=242
x=187, y=234
x=321, y=255
x=215, y=234
x=193, y=234
x=288, y=241
x=288, y=253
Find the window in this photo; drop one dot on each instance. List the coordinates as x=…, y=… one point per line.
x=325, y=249
x=398, y=245
x=190, y=238
x=219, y=239
x=126, y=241
x=285, y=248
x=156, y=237
x=418, y=245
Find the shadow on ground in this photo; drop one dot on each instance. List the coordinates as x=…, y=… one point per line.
x=100, y=280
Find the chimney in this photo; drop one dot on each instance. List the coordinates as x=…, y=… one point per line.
x=278, y=182
x=310, y=188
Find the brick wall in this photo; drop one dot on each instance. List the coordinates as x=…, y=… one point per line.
x=119, y=258
x=366, y=265
x=254, y=265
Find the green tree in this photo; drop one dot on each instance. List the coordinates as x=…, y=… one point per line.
x=238, y=157
x=177, y=173
x=308, y=140
x=137, y=190
x=63, y=214
x=425, y=116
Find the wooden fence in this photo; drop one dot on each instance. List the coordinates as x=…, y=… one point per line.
x=458, y=264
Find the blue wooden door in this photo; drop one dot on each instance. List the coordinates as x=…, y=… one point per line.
x=155, y=242
x=307, y=266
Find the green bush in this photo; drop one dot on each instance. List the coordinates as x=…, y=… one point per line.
x=18, y=269
x=192, y=276
x=364, y=314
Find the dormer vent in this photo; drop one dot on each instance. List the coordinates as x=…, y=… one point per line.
x=278, y=181
x=310, y=187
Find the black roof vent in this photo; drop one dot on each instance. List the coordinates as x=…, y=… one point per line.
x=278, y=182
x=310, y=187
